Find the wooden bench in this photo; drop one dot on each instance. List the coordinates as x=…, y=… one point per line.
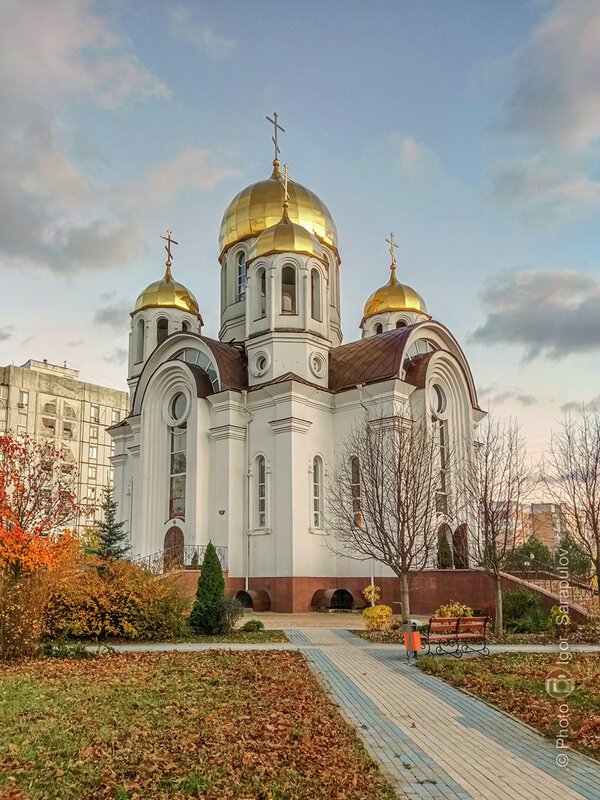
x=457, y=635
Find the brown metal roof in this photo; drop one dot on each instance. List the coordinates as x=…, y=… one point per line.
x=231, y=362
x=416, y=374
x=368, y=360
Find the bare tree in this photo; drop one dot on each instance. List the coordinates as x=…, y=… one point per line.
x=493, y=485
x=571, y=474
x=383, y=495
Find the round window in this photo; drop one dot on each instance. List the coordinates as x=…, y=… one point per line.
x=439, y=400
x=261, y=363
x=178, y=406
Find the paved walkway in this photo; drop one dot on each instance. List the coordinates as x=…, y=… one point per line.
x=433, y=741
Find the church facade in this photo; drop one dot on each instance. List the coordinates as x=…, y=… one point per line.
x=233, y=440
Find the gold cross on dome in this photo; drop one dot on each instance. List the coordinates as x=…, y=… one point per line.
x=392, y=245
x=286, y=179
x=169, y=241
x=276, y=127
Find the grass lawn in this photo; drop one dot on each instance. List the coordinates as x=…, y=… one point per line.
x=252, y=725
x=515, y=682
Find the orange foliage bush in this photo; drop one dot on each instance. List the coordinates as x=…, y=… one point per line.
x=88, y=598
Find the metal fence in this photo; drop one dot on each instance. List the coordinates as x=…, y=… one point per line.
x=190, y=556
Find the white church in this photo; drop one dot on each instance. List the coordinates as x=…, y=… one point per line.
x=231, y=440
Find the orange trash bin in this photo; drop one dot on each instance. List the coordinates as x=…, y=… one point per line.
x=415, y=641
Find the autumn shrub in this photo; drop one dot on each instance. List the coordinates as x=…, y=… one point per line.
x=231, y=613
x=21, y=605
x=372, y=594
x=89, y=599
x=252, y=626
x=454, y=609
x=560, y=621
x=377, y=618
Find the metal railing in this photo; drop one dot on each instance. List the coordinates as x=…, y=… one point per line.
x=190, y=556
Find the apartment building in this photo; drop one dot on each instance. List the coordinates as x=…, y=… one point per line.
x=47, y=401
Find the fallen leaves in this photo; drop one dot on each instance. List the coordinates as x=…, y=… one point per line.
x=214, y=725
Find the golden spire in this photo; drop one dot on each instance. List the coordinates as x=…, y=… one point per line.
x=392, y=245
x=286, y=194
x=169, y=241
x=276, y=127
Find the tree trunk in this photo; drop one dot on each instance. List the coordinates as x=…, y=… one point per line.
x=498, y=627
x=404, y=597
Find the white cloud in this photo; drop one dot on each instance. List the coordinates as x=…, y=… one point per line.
x=557, y=95
x=555, y=313
x=183, y=28
x=413, y=157
x=545, y=192
x=6, y=332
x=114, y=315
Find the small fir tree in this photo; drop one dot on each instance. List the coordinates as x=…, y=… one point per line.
x=444, y=553
x=580, y=565
x=531, y=556
x=207, y=613
x=109, y=534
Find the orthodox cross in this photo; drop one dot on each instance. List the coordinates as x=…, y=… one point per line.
x=392, y=244
x=276, y=127
x=286, y=178
x=169, y=241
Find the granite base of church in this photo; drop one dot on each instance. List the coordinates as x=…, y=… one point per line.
x=429, y=590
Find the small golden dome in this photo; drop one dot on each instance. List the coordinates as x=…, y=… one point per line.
x=285, y=237
x=394, y=296
x=167, y=293
x=258, y=207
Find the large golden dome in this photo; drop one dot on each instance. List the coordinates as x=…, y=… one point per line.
x=394, y=296
x=258, y=207
x=286, y=237
x=167, y=293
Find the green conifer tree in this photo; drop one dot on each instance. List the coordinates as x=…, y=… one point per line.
x=580, y=564
x=444, y=553
x=206, y=616
x=110, y=536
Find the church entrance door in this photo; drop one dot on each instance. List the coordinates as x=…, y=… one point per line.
x=173, y=548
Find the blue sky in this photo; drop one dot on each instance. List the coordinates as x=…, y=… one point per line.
x=470, y=129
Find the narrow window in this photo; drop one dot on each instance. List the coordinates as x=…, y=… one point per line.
x=115, y=416
x=378, y=329
x=139, y=341
x=288, y=291
x=95, y=413
x=162, y=330
x=315, y=295
x=355, y=487
x=185, y=326
x=177, y=471
x=262, y=293
x=401, y=324
x=261, y=492
x=441, y=499
x=317, y=492
x=241, y=277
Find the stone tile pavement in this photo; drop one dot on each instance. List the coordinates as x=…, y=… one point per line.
x=433, y=741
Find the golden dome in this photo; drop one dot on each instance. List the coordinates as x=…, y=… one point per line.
x=258, y=207
x=285, y=237
x=394, y=296
x=167, y=293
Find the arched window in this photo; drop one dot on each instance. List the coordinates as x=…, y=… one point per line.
x=261, y=492
x=378, y=329
x=355, y=489
x=177, y=470
x=261, y=280
x=241, y=276
x=401, y=324
x=185, y=326
x=139, y=341
x=288, y=291
x=441, y=497
x=317, y=492
x=162, y=330
x=315, y=295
